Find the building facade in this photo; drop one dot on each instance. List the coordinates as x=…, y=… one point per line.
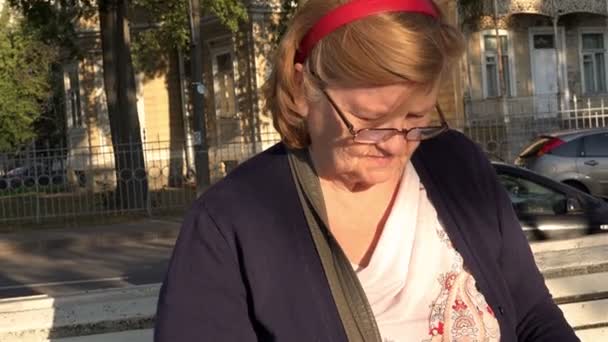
x=535, y=56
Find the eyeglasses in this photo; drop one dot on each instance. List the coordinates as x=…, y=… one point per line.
x=379, y=135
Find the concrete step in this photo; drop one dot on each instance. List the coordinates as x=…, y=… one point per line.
x=584, y=301
x=579, y=288
x=564, y=263
x=593, y=335
x=144, y=335
x=95, y=312
x=564, y=258
x=569, y=244
x=586, y=314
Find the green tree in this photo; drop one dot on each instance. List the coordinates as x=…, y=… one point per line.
x=25, y=65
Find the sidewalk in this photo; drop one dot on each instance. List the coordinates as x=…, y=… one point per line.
x=100, y=235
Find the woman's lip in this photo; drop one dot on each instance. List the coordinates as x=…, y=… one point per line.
x=380, y=157
x=380, y=160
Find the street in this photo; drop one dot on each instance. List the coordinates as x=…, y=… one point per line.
x=77, y=269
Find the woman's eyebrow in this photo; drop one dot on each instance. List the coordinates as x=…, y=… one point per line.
x=377, y=112
x=364, y=111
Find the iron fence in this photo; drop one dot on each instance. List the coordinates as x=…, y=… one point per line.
x=38, y=185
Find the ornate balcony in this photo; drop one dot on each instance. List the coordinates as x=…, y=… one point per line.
x=547, y=7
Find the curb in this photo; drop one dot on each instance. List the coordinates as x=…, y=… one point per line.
x=560, y=245
x=91, y=312
x=581, y=298
x=564, y=258
x=567, y=271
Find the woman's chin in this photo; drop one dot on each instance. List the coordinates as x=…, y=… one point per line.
x=374, y=176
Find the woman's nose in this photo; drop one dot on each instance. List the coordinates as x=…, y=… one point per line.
x=394, y=145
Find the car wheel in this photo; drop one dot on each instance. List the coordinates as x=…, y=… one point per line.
x=577, y=185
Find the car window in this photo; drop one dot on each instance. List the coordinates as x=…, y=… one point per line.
x=532, y=198
x=596, y=145
x=569, y=149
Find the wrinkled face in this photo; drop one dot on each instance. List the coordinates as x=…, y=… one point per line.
x=338, y=157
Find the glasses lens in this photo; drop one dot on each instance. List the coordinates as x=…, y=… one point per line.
x=374, y=136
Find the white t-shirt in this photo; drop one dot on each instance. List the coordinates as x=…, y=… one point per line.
x=415, y=281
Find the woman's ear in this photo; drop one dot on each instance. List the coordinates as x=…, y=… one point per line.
x=300, y=93
x=299, y=74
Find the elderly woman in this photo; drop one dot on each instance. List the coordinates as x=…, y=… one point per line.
x=371, y=220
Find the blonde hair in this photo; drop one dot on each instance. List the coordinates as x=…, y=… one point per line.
x=378, y=50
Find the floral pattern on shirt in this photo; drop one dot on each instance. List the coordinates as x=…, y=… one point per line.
x=460, y=312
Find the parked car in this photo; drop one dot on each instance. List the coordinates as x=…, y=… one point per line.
x=549, y=209
x=30, y=175
x=577, y=158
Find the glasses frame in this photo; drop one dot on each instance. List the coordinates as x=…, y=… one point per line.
x=404, y=132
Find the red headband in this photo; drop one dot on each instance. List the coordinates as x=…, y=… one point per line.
x=355, y=10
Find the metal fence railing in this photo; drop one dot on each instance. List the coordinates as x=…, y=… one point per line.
x=64, y=183
x=520, y=105
x=503, y=126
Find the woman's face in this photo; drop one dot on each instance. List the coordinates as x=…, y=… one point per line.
x=339, y=158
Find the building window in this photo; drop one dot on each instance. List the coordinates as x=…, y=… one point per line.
x=544, y=41
x=224, y=78
x=75, y=108
x=72, y=96
x=594, y=62
x=491, y=79
x=227, y=119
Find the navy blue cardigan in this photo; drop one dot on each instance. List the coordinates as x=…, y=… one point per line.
x=245, y=267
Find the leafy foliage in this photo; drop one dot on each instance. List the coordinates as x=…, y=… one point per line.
x=169, y=28
x=54, y=20
x=288, y=8
x=229, y=12
x=470, y=12
x=25, y=70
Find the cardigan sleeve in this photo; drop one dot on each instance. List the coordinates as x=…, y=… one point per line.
x=203, y=297
x=538, y=318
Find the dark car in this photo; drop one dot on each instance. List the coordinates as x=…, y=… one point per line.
x=30, y=175
x=549, y=209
